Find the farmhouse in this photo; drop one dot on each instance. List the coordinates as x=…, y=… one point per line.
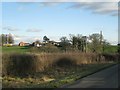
x=36, y=44
x=23, y=44
x=54, y=43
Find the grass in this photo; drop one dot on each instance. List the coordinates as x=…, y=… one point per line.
x=50, y=70
x=45, y=70
x=110, y=49
x=52, y=78
x=107, y=49
x=14, y=49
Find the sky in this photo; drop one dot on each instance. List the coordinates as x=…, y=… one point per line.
x=29, y=21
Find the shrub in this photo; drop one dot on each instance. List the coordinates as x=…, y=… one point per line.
x=26, y=64
x=65, y=61
x=48, y=48
x=21, y=64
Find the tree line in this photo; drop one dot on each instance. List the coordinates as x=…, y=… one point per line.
x=94, y=42
x=6, y=39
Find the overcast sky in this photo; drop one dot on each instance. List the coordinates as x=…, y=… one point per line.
x=29, y=21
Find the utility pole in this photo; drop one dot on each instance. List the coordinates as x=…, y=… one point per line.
x=6, y=39
x=101, y=37
x=101, y=41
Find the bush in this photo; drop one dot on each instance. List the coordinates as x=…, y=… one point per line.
x=48, y=48
x=26, y=64
x=21, y=64
x=65, y=62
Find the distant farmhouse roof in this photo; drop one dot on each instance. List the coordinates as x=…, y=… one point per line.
x=37, y=44
x=24, y=44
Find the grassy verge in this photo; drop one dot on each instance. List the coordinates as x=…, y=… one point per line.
x=53, y=78
x=50, y=70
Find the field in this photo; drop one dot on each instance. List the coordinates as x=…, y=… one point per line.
x=18, y=49
x=49, y=70
x=15, y=49
x=110, y=49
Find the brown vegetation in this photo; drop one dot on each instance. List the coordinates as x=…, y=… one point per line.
x=25, y=64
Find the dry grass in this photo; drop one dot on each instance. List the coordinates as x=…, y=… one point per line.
x=25, y=64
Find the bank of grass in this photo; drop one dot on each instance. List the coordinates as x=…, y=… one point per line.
x=111, y=49
x=50, y=70
x=14, y=49
x=55, y=80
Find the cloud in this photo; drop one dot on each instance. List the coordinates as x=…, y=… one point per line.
x=81, y=0
x=49, y=3
x=113, y=42
x=34, y=30
x=27, y=0
x=9, y=28
x=21, y=38
x=60, y=0
x=103, y=8
x=28, y=39
x=21, y=8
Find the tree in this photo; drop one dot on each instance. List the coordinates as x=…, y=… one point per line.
x=104, y=44
x=96, y=42
x=78, y=42
x=6, y=39
x=10, y=39
x=46, y=39
x=65, y=43
x=84, y=43
x=74, y=41
x=3, y=39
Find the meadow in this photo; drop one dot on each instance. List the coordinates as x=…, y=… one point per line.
x=14, y=49
x=17, y=49
x=22, y=67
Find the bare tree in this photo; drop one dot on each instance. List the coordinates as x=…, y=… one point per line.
x=10, y=39
x=78, y=42
x=65, y=43
x=6, y=39
x=96, y=44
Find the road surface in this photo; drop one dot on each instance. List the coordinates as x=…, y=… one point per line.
x=107, y=78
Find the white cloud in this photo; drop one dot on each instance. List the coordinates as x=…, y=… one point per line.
x=81, y=0
x=21, y=8
x=9, y=28
x=60, y=0
x=23, y=38
x=49, y=3
x=34, y=30
x=110, y=8
x=113, y=42
x=103, y=7
x=27, y=0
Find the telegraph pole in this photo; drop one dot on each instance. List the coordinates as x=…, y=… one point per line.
x=101, y=37
x=101, y=41
x=6, y=39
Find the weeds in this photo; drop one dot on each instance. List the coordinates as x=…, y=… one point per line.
x=26, y=64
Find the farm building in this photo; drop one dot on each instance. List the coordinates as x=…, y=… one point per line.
x=23, y=44
x=36, y=44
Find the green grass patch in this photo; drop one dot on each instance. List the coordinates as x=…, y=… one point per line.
x=110, y=49
x=14, y=49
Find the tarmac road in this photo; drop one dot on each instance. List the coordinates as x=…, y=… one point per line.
x=107, y=78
